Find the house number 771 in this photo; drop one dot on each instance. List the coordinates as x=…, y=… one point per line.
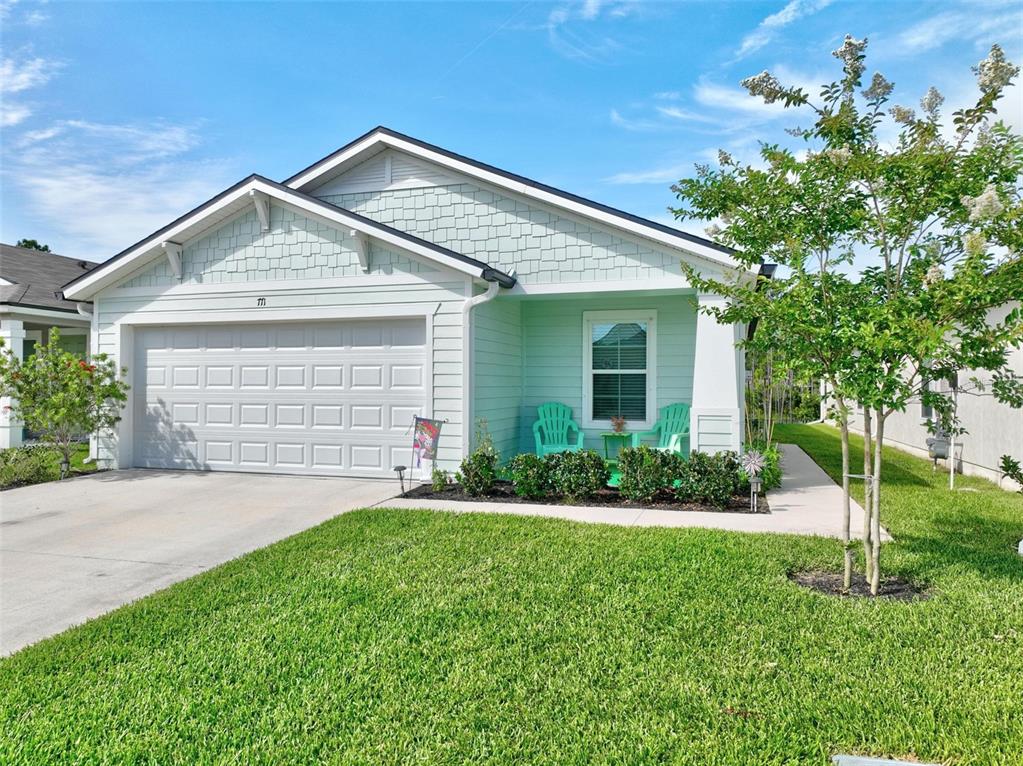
x=260, y=301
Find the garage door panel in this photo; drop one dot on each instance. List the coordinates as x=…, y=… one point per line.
x=334, y=398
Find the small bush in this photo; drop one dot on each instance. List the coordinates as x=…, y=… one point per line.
x=478, y=471
x=20, y=466
x=1011, y=468
x=530, y=476
x=645, y=472
x=710, y=479
x=579, y=475
x=439, y=480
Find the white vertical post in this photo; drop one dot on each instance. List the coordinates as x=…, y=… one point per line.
x=12, y=332
x=716, y=416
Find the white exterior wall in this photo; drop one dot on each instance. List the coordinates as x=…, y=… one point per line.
x=994, y=428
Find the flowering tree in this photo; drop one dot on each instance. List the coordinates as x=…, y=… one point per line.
x=60, y=396
x=935, y=213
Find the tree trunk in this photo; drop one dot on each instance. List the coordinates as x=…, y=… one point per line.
x=875, y=526
x=868, y=489
x=843, y=425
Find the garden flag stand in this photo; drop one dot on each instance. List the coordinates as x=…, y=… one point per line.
x=425, y=436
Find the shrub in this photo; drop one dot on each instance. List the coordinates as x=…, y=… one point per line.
x=62, y=397
x=20, y=466
x=439, y=479
x=531, y=476
x=645, y=472
x=771, y=475
x=579, y=475
x=708, y=479
x=478, y=471
x=1011, y=468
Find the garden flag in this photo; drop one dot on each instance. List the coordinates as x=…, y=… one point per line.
x=426, y=434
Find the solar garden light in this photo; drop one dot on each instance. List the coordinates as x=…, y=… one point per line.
x=753, y=464
x=400, y=470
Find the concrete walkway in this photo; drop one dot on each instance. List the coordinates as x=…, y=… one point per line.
x=74, y=549
x=808, y=503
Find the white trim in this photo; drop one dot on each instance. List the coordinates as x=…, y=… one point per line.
x=620, y=315
x=68, y=316
x=109, y=273
x=173, y=251
x=247, y=316
x=262, y=203
x=361, y=249
x=282, y=285
x=518, y=187
x=599, y=286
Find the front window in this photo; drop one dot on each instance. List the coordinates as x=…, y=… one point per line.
x=619, y=367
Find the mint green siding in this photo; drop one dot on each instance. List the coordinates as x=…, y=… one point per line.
x=296, y=247
x=541, y=245
x=497, y=371
x=536, y=347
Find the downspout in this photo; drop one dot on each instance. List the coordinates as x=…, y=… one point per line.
x=467, y=359
x=495, y=280
x=93, y=445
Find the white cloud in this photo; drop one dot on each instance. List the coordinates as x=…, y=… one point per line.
x=667, y=174
x=971, y=26
x=12, y=114
x=571, y=33
x=17, y=76
x=105, y=186
x=770, y=26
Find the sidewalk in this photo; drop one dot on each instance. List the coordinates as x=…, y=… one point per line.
x=808, y=503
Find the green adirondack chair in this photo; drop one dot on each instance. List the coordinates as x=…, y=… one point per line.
x=671, y=429
x=554, y=421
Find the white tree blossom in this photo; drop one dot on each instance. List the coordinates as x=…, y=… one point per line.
x=879, y=88
x=902, y=114
x=931, y=101
x=840, y=156
x=974, y=243
x=765, y=85
x=994, y=72
x=851, y=55
x=985, y=205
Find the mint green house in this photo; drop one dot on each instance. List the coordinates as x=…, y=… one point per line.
x=298, y=327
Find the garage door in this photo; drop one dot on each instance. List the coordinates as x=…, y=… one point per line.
x=331, y=398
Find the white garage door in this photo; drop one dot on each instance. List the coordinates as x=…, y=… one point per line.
x=333, y=398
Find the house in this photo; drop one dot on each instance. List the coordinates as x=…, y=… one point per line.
x=298, y=327
x=30, y=283
x=993, y=428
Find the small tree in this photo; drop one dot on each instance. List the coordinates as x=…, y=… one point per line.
x=62, y=397
x=936, y=216
x=33, y=244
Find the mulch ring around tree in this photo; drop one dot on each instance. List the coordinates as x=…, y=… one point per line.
x=504, y=492
x=830, y=583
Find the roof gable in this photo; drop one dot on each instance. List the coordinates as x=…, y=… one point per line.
x=257, y=190
x=381, y=139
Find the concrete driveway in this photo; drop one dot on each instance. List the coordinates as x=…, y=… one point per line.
x=73, y=550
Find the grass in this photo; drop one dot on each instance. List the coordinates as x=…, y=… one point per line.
x=415, y=637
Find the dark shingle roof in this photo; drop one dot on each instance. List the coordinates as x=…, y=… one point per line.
x=37, y=277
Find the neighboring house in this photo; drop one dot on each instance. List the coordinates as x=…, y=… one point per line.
x=993, y=428
x=298, y=327
x=30, y=283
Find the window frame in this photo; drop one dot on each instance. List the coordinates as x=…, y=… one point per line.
x=590, y=318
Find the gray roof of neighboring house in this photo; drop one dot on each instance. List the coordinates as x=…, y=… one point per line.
x=36, y=277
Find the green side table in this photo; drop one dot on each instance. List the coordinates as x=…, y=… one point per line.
x=611, y=437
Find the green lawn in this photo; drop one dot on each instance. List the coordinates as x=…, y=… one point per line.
x=414, y=637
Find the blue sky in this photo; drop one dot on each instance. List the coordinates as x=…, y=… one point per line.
x=118, y=117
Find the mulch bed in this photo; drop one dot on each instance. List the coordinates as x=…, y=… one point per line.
x=830, y=583
x=503, y=492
